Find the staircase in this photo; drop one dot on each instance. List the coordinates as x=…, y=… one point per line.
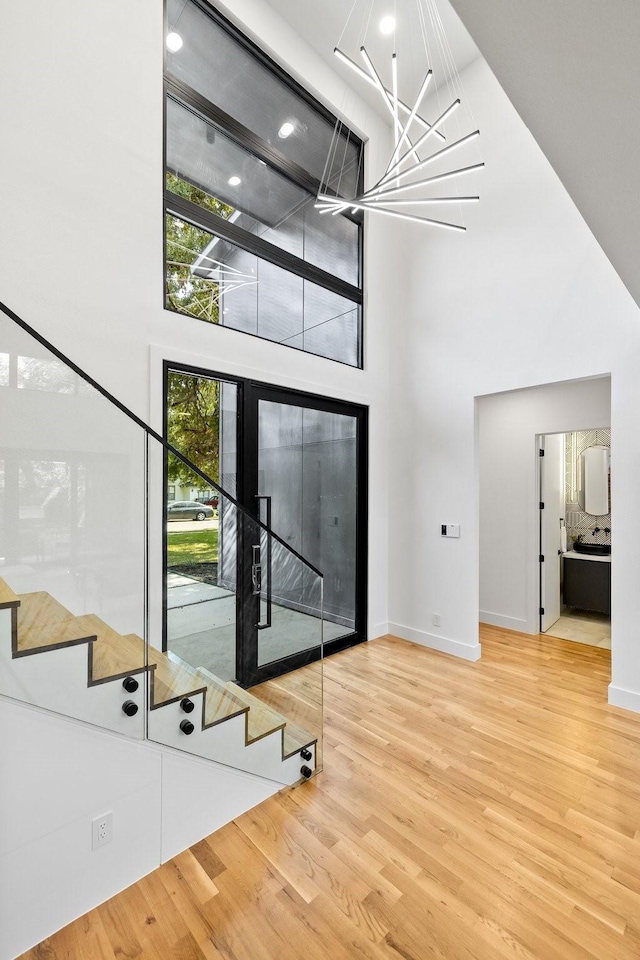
x=92, y=673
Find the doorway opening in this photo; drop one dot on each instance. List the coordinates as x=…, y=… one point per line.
x=242, y=597
x=575, y=536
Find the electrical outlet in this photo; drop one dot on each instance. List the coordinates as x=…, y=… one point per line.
x=435, y=619
x=102, y=830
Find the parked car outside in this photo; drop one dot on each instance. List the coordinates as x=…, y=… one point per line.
x=210, y=501
x=188, y=510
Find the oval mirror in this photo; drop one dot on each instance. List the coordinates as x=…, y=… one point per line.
x=593, y=481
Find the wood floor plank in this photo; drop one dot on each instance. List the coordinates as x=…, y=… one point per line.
x=468, y=811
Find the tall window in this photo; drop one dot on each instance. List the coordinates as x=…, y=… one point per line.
x=246, y=150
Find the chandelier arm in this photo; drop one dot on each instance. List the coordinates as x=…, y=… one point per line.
x=365, y=76
x=421, y=183
x=390, y=99
x=325, y=206
x=392, y=175
x=380, y=87
x=420, y=202
x=328, y=202
x=375, y=191
x=394, y=85
x=405, y=216
x=325, y=201
x=405, y=130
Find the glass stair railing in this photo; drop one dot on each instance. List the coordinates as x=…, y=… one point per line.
x=111, y=615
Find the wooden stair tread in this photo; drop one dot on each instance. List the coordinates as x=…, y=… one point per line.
x=295, y=739
x=115, y=654
x=46, y=623
x=7, y=597
x=173, y=681
x=261, y=720
x=221, y=703
x=38, y=613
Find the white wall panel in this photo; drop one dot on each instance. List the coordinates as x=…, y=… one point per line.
x=224, y=793
x=525, y=298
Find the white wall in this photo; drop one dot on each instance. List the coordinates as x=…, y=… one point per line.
x=81, y=260
x=525, y=297
x=508, y=462
x=57, y=776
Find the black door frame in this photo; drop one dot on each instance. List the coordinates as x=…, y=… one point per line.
x=247, y=611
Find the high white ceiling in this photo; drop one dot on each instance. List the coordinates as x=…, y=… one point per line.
x=325, y=24
x=571, y=68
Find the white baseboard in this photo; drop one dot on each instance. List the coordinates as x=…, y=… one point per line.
x=466, y=651
x=627, y=699
x=509, y=623
x=378, y=630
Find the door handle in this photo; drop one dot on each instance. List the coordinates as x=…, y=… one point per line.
x=256, y=570
x=257, y=565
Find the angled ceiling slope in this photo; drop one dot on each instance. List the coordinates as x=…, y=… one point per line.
x=571, y=68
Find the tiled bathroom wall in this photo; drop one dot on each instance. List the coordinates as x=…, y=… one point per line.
x=578, y=522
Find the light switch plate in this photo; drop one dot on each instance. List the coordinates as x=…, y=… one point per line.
x=450, y=529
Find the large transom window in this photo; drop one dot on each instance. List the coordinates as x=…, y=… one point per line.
x=246, y=150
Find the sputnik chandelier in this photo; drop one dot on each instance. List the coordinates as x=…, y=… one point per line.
x=418, y=142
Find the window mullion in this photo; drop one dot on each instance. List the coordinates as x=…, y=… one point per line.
x=187, y=97
x=199, y=217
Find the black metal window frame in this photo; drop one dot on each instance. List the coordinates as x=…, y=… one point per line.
x=174, y=205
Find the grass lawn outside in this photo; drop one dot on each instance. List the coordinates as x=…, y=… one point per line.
x=192, y=547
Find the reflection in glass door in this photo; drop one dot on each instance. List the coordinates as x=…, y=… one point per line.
x=307, y=467
x=201, y=525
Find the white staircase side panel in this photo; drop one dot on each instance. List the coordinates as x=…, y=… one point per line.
x=57, y=680
x=223, y=795
x=224, y=742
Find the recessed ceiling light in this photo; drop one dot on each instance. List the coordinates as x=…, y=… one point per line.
x=234, y=181
x=174, y=42
x=286, y=130
x=387, y=24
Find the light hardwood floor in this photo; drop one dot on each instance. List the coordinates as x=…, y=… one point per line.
x=466, y=812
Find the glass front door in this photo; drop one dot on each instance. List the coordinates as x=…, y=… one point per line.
x=297, y=462
x=307, y=468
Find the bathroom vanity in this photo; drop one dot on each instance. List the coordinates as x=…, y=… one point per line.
x=587, y=581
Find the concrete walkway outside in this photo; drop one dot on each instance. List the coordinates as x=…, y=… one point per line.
x=201, y=628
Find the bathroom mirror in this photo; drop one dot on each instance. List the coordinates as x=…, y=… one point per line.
x=593, y=481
